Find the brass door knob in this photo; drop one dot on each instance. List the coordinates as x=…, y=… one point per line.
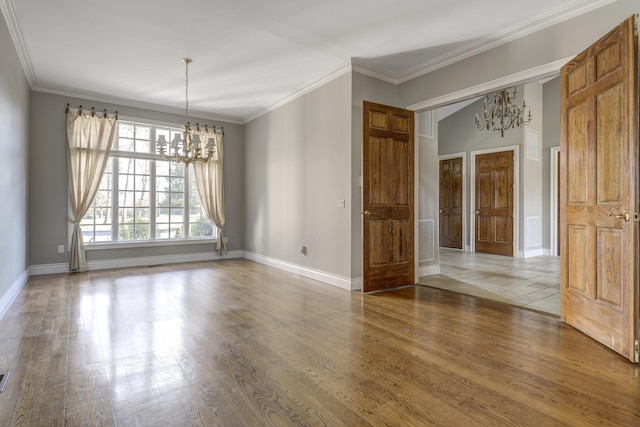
x=477, y=212
x=624, y=216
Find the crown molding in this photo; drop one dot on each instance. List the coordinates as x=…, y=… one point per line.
x=8, y=9
x=139, y=104
x=549, y=70
x=502, y=37
x=368, y=70
x=530, y=26
x=334, y=74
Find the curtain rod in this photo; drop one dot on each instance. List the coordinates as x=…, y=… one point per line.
x=93, y=111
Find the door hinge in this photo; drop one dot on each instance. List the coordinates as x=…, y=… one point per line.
x=635, y=26
x=636, y=351
x=636, y=216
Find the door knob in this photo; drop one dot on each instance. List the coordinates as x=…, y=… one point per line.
x=624, y=216
x=477, y=212
x=440, y=210
x=368, y=213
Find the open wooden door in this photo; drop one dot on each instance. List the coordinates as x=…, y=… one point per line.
x=387, y=201
x=599, y=191
x=450, y=206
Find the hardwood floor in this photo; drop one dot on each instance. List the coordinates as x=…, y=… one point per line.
x=236, y=343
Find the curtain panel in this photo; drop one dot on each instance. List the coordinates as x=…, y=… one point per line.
x=210, y=183
x=90, y=138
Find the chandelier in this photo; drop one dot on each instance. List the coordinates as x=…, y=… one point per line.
x=502, y=114
x=194, y=144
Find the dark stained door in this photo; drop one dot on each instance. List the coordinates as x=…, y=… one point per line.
x=494, y=203
x=450, y=207
x=388, y=197
x=599, y=191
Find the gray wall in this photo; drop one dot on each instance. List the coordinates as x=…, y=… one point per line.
x=298, y=166
x=14, y=109
x=48, y=185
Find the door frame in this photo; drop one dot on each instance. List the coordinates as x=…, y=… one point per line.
x=554, y=192
x=548, y=70
x=516, y=195
x=465, y=246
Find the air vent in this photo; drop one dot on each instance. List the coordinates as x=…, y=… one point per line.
x=3, y=380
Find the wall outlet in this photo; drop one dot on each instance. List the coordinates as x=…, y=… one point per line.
x=60, y=249
x=341, y=203
x=303, y=250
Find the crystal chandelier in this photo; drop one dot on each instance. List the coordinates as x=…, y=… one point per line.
x=502, y=114
x=194, y=144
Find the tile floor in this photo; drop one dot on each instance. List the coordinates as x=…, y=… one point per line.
x=532, y=282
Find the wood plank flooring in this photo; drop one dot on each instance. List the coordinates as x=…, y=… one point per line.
x=236, y=343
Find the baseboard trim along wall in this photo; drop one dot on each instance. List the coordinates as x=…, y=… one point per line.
x=14, y=290
x=36, y=270
x=428, y=270
x=328, y=278
x=321, y=276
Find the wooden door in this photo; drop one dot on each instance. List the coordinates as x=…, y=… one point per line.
x=450, y=207
x=599, y=191
x=494, y=203
x=387, y=187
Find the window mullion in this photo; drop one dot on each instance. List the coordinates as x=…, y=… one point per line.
x=185, y=217
x=114, y=200
x=152, y=187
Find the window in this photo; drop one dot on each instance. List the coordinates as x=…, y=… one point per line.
x=143, y=197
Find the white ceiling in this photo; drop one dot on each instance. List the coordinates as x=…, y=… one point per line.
x=249, y=55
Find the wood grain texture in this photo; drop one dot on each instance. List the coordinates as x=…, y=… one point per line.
x=387, y=202
x=599, y=185
x=450, y=203
x=235, y=343
x=494, y=203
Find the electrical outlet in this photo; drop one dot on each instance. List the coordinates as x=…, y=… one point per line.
x=341, y=203
x=60, y=249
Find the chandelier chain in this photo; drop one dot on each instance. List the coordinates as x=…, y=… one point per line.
x=187, y=61
x=194, y=144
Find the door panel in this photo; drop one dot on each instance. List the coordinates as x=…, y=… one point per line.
x=494, y=203
x=450, y=206
x=599, y=187
x=387, y=197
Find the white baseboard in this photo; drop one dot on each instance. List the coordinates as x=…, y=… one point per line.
x=533, y=253
x=329, y=278
x=40, y=269
x=14, y=290
x=135, y=262
x=428, y=270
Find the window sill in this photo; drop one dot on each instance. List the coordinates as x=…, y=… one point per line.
x=147, y=244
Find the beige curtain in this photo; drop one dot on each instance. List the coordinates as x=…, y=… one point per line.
x=90, y=138
x=210, y=183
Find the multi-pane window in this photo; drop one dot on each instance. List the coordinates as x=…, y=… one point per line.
x=143, y=197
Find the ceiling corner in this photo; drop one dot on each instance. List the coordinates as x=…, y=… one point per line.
x=8, y=9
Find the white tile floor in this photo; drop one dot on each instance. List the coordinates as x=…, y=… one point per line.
x=528, y=282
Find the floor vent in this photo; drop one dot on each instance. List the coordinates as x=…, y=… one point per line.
x=3, y=380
